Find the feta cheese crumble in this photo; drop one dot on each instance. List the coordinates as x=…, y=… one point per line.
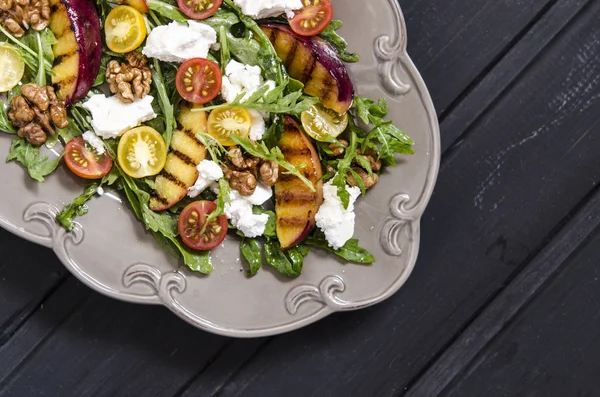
x=95, y=142
x=258, y=129
x=333, y=219
x=111, y=117
x=239, y=211
x=178, y=42
x=240, y=78
x=258, y=9
x=208, y=173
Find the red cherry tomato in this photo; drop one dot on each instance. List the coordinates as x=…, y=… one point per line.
x=199, y=80
x=84, y=161
x=192, y=220
x=199, y=9
x=312, y=18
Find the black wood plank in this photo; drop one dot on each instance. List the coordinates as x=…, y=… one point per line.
x=510, y=301
x=551, y=348
x=28, y=274
x=527, y=162
x=104, y=347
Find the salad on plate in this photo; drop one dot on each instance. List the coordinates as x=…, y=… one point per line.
x=212, y=117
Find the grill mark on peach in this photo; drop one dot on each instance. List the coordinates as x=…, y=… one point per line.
x=60, y=58
x=183, y=157
x=292, y=221
x=308, y=70
x=296, y=197
x=326, y=87
x=291, y=55
x=156, y=196
x=170, y=177
x=191, y=135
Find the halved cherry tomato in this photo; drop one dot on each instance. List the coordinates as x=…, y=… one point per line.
x=12, y=67
x=199, y=9
x=142, y=152
x=312, y=18
x=84, y=160
x=224, y=122
x=192, y=220
x=199, y=80
x=125, y=29
x=323, y=124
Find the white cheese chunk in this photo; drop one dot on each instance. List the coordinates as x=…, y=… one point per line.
x=95, y=142
x=258, y=129
x=258, y=9
x=111, y=117
x=333, y=219
x=208, y=173
x=239, y=211
x=100, y=191
x=178, y=42
x=240, y=78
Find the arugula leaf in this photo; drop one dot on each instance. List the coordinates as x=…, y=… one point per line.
x=338, y=41
x=166, y=10
x=214, y=147
x=41, y=72
x=351, y=251
x=384, y=136
x=252, y=251
x=79, y=205
x=261, y=151
x=29, y=156
x=222, y=199
x=5, y=123
x=277, y=258
x=296, y=256
x=225, y=54
x=26, y=48
x=343, y=169
x=167, y=108
x=101, y=77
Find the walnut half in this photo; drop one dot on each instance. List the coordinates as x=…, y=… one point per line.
x=129, y=80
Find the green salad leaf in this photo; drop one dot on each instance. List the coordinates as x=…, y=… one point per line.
x=351, y=251
x=275, y=257
x=167, y=10
x=251, y=250
x=222, y=199
x=338, y=42
x=5, y=123
x=38, y=166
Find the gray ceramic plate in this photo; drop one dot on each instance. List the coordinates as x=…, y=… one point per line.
x=110, y=251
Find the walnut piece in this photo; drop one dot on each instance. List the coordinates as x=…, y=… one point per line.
x=236, y=158
x=20, y=114
x=36, y=112
x=37, y=95
x=338, y=151
x=18, y=16
x=269, y=173
x=33, y=133
x=368, y=181
x=129, y=80
x=242, y=181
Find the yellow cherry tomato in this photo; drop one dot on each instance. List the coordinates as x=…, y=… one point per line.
x=142, y=152
x=12, y=67
x=323, y=124
x=224, y=122
x=125, y=29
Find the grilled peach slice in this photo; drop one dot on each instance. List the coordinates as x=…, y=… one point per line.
x=77, y=52
x=295, y=203
x=315, y=63
x=185, y=153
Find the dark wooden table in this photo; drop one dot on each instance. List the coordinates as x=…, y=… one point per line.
x=505, y=297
